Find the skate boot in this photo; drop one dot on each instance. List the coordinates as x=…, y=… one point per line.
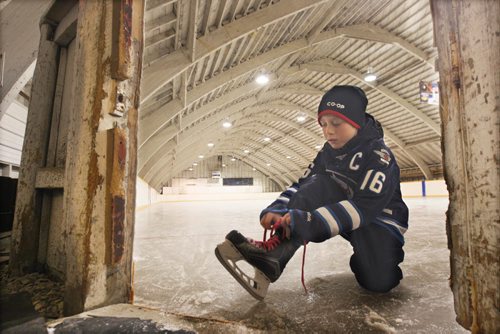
x=268, y=258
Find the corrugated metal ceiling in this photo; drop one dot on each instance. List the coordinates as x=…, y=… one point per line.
x=201, y=59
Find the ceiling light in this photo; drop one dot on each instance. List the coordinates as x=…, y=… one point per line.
x=246, y=151
x=227, y=124
x=262, y=79
x=223, y=165
x=190, y=169
x=301, y=118
x=195, y=164
x=288, y=157
x=268, y=164
x=253, y=168
x=201, y=156
x=210, y=144
x=233, y=159
x=370, y=76
x=267, y=139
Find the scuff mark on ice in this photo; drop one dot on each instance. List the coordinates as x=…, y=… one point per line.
x=206, y=297
x=375, y=320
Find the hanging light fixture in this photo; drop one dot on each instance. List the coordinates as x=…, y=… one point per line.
x=227, y=124
x=301, y=118
x=370, y=76
x=262, y=79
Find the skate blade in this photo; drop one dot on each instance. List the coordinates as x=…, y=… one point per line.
x=228, y=255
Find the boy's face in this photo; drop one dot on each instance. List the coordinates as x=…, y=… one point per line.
x=336, y=131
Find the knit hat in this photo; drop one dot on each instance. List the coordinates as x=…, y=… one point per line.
x=346, y=102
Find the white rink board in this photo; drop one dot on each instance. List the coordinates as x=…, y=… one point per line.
x=147, y=195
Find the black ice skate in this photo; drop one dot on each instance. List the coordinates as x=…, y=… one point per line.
x=268, y=258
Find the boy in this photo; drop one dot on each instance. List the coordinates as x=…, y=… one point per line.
x=351, y=189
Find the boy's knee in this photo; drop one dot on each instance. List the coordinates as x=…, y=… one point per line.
x=379, y=284
x=377, y=278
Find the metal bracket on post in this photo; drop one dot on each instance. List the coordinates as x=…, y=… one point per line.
x=120, y=104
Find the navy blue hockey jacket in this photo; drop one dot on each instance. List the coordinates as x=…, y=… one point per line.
x=366, y=170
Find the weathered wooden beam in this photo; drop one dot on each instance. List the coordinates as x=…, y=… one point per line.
x=66, y=29
x=468, y=65
x=101, y=166
x=50, y=178
x=26, y=226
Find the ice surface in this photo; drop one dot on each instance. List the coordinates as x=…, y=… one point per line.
x=176, y=271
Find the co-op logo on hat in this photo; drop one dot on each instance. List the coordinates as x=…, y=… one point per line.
x=335, y=104
x=346, y=102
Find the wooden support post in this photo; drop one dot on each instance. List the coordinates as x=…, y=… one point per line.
x=26, y=229
x=467, y=38
x=101, y=165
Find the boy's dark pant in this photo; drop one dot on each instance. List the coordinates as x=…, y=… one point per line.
x=376, y=252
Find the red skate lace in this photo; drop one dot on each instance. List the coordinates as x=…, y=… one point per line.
x=274, y=240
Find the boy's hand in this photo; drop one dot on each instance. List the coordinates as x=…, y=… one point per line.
x=286, y=219
x=269, y=219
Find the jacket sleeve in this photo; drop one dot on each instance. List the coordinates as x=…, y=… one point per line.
x=280, y=205
x=374, y=190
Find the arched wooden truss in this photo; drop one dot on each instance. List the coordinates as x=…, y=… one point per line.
x=202, y=56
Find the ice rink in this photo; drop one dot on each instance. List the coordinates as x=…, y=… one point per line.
x=176, y=271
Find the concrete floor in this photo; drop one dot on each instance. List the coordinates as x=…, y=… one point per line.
x=177, y=272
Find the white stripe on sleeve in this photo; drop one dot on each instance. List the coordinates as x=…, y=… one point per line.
x=284, y=199
x=353, y=213
x=332, y=222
